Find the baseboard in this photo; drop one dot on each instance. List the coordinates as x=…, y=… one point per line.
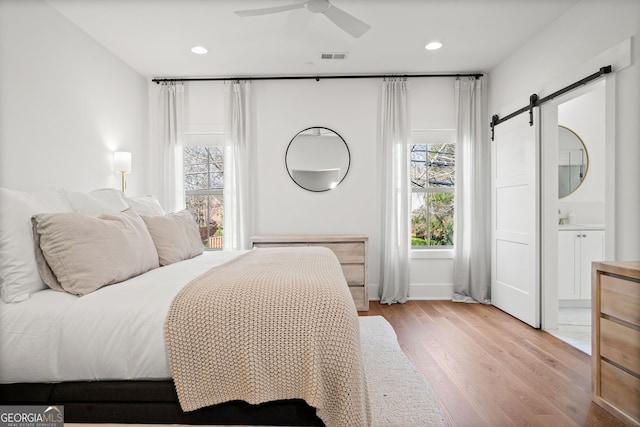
x=574, y=303
x=419, y=292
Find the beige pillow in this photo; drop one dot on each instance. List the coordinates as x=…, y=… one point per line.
x=47, y=276
x=175, y=235
x=85, y=253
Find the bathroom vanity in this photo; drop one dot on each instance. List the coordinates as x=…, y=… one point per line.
x=578, y=246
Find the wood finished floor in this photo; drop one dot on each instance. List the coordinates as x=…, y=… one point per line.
x=487, y=368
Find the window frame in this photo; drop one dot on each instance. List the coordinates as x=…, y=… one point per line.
x=207, y=140
x=418, y=137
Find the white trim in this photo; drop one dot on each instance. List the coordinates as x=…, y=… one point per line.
x=419, y=292
x=549, y=216
x=432, y=253
x=610, y=167
x=573, y=303
x=204, y=133
x=205, y=139
x=432, y=130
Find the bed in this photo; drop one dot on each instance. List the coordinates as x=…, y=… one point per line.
x=113, y=354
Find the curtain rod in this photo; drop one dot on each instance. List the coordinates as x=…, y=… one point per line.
x=310, y=77
x=534, y=101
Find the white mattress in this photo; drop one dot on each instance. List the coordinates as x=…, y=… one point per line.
x=114, y=333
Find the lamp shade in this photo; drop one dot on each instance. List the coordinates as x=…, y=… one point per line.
x=122, y=161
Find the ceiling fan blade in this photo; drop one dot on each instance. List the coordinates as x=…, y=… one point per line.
x=267, y=10
x=347, y=22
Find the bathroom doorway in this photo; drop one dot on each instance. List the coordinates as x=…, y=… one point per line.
x=577, y=152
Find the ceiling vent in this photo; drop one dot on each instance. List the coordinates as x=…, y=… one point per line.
x=333, y=55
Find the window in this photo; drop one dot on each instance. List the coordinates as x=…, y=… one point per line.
x=203, y=189
x=432, y=174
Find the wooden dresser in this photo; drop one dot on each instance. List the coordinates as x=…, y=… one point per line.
x=616, y=338
x=351, y=250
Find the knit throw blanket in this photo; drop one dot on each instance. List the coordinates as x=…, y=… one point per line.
x=272, y=324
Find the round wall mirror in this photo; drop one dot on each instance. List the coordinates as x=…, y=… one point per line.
x=317, y=159
x=573, y=161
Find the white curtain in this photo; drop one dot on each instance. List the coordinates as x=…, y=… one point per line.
x=471, y=271
x=171, y=102
x=238, y=186
x=395, y=192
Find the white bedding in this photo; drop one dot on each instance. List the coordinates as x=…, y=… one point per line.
x=114, y=333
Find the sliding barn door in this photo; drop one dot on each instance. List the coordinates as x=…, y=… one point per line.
x=515, y=270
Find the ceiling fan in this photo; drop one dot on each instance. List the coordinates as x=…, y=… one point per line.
x=342, y=19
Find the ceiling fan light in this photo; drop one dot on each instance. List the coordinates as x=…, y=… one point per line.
x=339, y=17
x=433, y=46
x=199, y=50
x=317, y=6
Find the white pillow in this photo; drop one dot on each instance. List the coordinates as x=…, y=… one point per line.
x=85, y=253
x=97, y=202
x=145, y=205
x=114, y=198
x=18, y=272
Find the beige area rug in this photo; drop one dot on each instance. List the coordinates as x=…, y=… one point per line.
x=398, y=393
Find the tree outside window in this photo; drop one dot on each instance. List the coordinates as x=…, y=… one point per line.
x=432, y=174
x=204, y=185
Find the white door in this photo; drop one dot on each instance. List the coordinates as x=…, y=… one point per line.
x=515, y=271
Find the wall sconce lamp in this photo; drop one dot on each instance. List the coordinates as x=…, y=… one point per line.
x=122, y=165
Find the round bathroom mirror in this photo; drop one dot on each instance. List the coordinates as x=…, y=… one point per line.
x=317, y=159
x=573, y=161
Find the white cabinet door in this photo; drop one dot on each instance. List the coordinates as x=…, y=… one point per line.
x=567, y=260
x=577, y=249
x=591, y=249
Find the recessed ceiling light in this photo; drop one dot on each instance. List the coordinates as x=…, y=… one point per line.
x=199, y=50
x=433, y=46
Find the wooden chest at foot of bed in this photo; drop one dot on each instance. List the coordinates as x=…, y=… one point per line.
x=351, y=250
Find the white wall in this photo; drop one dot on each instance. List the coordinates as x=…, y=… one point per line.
x=349, y=107
x=557, y=57
x=66, y=104
x=585, y=116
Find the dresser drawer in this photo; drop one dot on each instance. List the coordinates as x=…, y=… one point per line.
x=620, y=298
x=354, y=273
x=359, y=298
x=620, y=389
x=620, y=344
x=347, y=253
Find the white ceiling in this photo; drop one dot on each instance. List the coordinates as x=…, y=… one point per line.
x=155, y=36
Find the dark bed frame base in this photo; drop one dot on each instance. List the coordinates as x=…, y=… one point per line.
x=150, y=402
